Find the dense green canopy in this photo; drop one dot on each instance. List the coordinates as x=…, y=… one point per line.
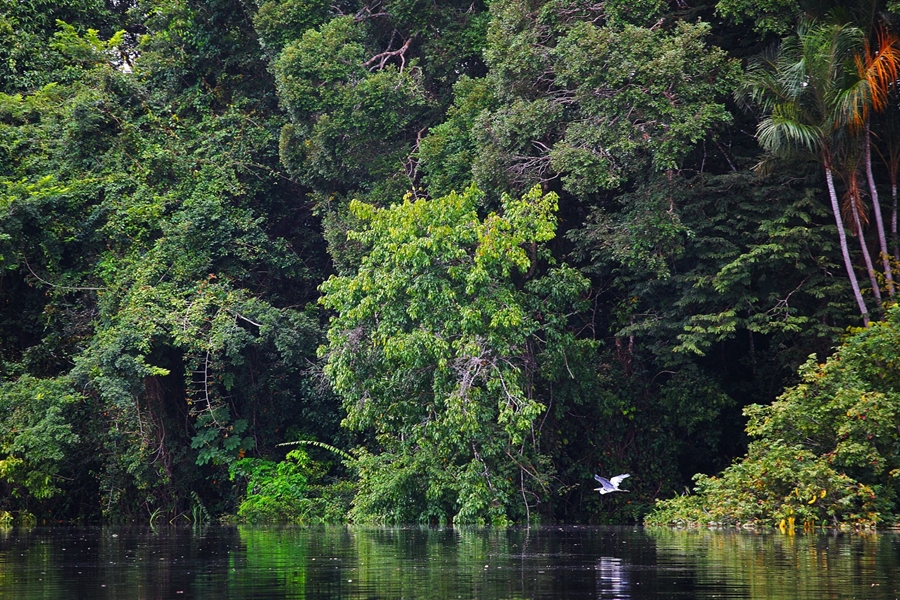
x=403, y=261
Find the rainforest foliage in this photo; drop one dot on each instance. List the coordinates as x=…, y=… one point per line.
x=399, y=261
x=827, y=452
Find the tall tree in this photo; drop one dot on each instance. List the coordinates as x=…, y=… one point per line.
x=876, y=73
x=796, y=89
x=445, y=343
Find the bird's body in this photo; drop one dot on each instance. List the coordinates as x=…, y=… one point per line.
x=610, y=485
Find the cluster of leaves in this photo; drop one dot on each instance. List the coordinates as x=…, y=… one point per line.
x=362, y=83
x=591, y=101
x=440, y=344
x=35, y=48
x=825, y=453
x=289, y=491
x=37, y=436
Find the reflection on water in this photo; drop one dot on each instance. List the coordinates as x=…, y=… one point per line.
x=371, y=563
x=612, y=578
x=777, y=566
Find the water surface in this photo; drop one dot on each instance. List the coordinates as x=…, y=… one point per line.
x=371, y=563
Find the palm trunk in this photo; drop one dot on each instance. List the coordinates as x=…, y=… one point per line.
x=845, y=250
x=894, y=220
x=879, y=222
x=873, y=279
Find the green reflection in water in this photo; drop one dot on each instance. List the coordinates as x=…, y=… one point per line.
x=350, y=562
x=387, y=562
x=272, y=559
x=776, y=566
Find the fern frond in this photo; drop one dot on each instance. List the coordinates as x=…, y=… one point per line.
x=343, y=454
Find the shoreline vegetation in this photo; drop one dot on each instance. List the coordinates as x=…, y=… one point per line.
x=823, y=454
x=398, y=262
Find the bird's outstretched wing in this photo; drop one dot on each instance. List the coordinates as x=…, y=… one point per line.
x=617, y=479
x=603, y=481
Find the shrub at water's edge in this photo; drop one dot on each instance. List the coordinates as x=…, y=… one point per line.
x=294, y=490
x=826, y=453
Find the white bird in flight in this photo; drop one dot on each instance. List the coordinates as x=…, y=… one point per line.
x=610, y=485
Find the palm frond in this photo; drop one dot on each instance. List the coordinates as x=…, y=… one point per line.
x=880, y=66
x=760, y=85
x=850, y=104
x=783, y=134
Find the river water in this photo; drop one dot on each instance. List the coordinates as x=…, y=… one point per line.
x=373, y=563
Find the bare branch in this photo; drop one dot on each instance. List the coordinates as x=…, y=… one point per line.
x=369, y=11
x=243, y=318
x=384, y=57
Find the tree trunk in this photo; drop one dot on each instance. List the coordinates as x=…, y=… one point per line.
x=870, y=269
x=845, y=251
x=879, y=222
x=894, y=221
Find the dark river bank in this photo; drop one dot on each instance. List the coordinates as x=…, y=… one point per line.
x=370, y=563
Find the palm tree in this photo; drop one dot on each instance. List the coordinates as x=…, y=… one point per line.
x=796, y=87
x=876, y=70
